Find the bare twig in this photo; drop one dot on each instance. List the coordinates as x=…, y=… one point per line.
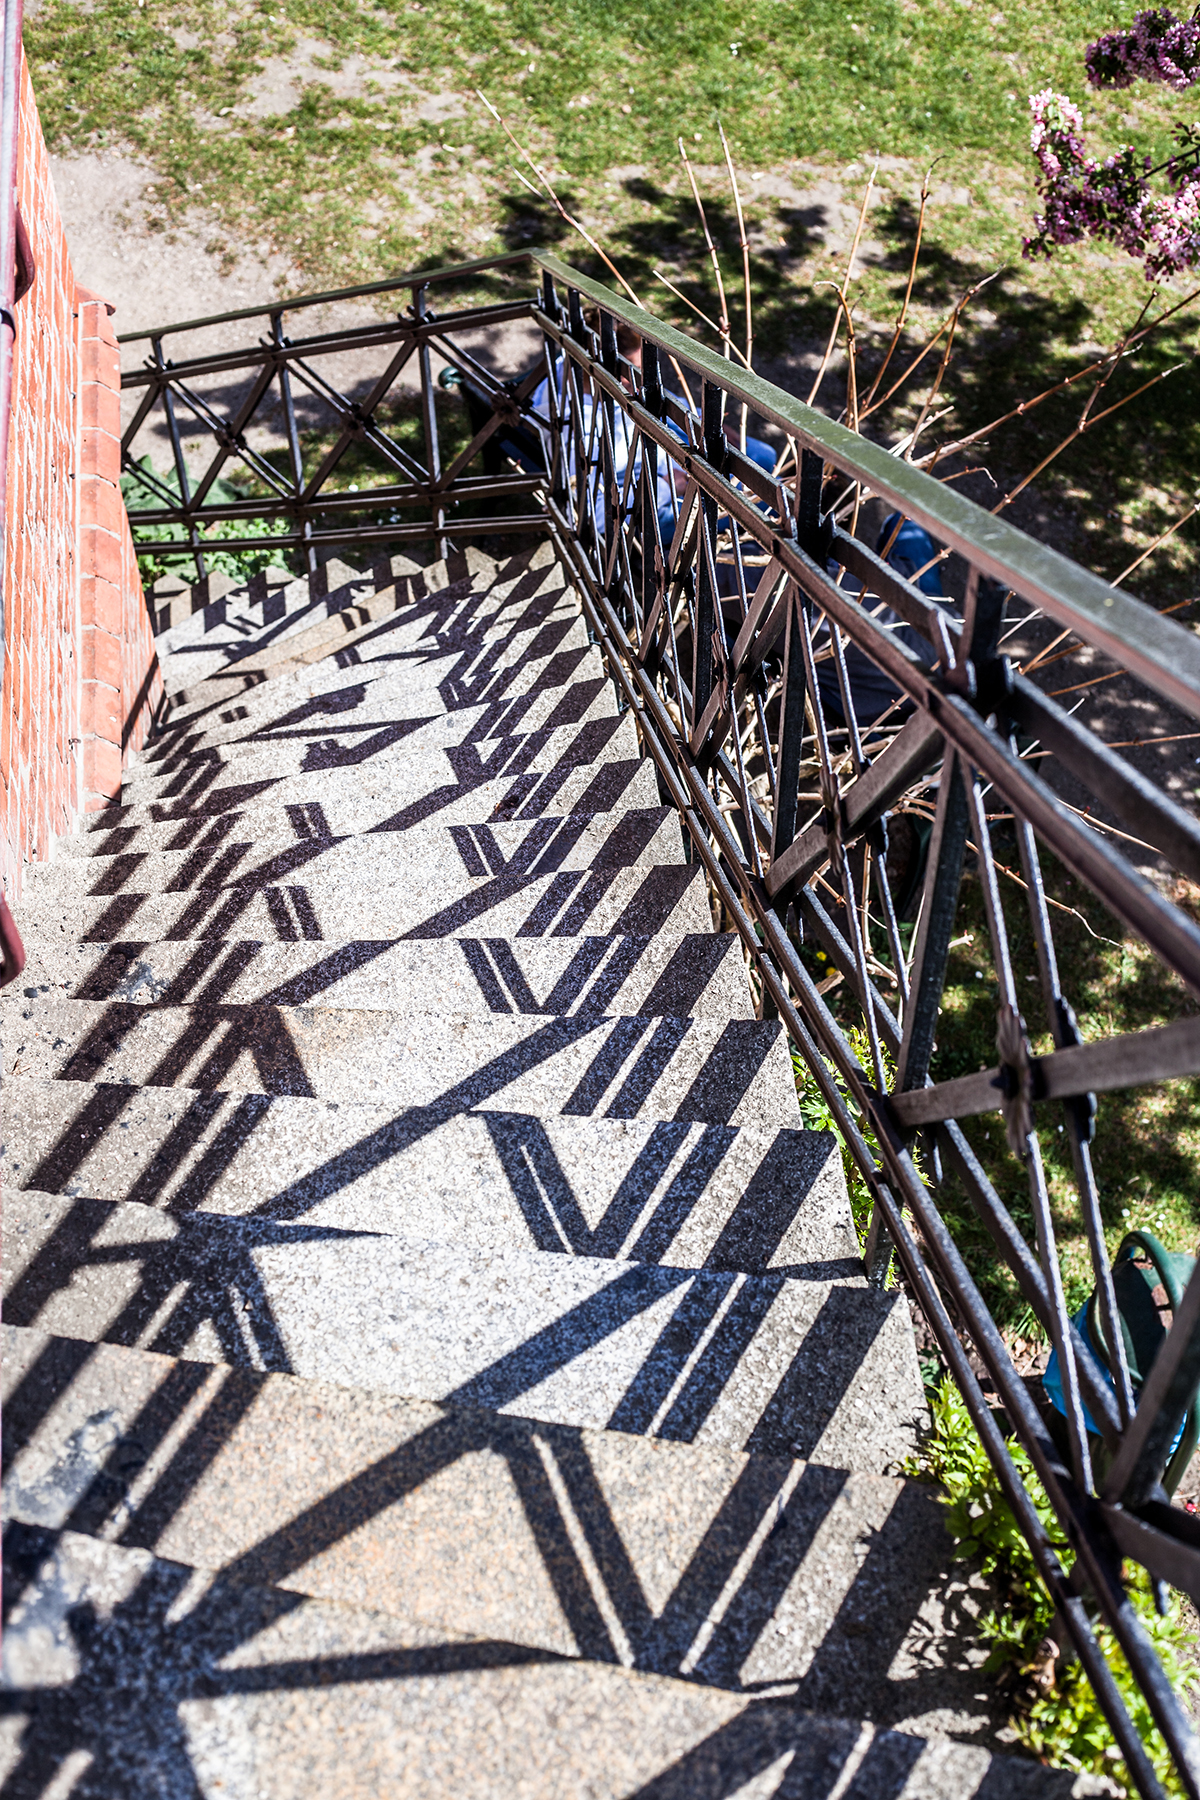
x=820, y=375
x=1086, y=421
x=745, y=249
x=548, y=188
x=691, y=305
x=912, y=275
x=723, y=327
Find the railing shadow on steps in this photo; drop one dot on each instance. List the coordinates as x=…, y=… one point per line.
x=721, y=592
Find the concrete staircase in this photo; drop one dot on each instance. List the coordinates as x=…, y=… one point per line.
x=437, y=1361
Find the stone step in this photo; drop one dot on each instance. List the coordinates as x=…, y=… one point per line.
x=418, y=784
x=372, y=693
x=617, y=901
x=730, y=1073
x=258, y=1692
x=259, y=606
x=396, y=644
x=675, y=1558
x=822, y=1370
x=685, y=1195
x=230, y=632
x=700, y=975
x=747, y=1573
x=416, y=725
x=449, y=863
x=173, y=603
x=390, y=621
x=186, y=614
x=354, y=800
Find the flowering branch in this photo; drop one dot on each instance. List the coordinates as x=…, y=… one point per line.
x=1083, y=197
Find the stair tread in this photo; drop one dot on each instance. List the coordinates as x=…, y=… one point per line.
x=769, y=1363
x=454, y=1515
x=298, y=1697
x=706, y=1070
x=354, y=801
x=336, y=697
x=448, y=862
x=246, y=612
x=174, y=603
x=420, y=731
x=594, y=772
x=431, y=780
x=693, y=974
x=572, y=903
x=680, y=1193
x=484, y=1292
x=386, y=622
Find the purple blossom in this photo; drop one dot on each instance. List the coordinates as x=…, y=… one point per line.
x=1111, y=200
x=1157, y=47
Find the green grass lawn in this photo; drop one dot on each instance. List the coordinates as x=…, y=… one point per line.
x=383, y=159
x=346, y=182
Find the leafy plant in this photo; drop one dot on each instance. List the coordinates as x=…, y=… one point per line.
x=138, y=493
x=1055, y=1713
x=817, y=1116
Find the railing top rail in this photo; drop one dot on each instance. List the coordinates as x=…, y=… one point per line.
x=1161, y=651
x=412, y=278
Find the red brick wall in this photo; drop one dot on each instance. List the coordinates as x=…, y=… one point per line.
x=80, y=681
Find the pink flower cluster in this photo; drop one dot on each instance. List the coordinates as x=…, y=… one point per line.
x=1157, y=47
x=1084, y=198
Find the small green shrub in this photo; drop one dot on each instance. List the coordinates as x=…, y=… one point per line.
x=240, y=563
x=1062, y=1725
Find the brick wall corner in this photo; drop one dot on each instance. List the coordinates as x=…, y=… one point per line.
x=120, y=681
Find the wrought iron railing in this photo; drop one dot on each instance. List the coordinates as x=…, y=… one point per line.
x=737, y=614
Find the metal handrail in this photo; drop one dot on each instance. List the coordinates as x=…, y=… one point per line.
x=695, y=637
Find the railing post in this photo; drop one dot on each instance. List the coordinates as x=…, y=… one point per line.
x=708, y=614
x=557, y=472
x=610, y=487
x=653, y=571
x=293, y=437
x=429, y=418
x=808, y=502
x=181, y=474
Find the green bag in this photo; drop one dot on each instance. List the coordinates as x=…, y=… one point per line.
x=1142, y=1327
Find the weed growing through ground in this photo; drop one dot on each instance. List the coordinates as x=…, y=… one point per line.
x=1056, y=1714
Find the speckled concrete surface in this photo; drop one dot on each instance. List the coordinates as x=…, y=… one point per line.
x=231, y=632
x=587, y=902
x=670, y=1557
x=263, y=597
x=184, y=1684
x=696, y=975
x=684, y=1195
x=355, y=800
x=384, y=624
x=452, y=860
x=384, y=672
x=492, y=626
x=606, y=776
x=749, y=1362
x=416, y=725
x=541, y=1330
x=260, y=610
x=731, y=1073
x=419, y=785
x=370, y=694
